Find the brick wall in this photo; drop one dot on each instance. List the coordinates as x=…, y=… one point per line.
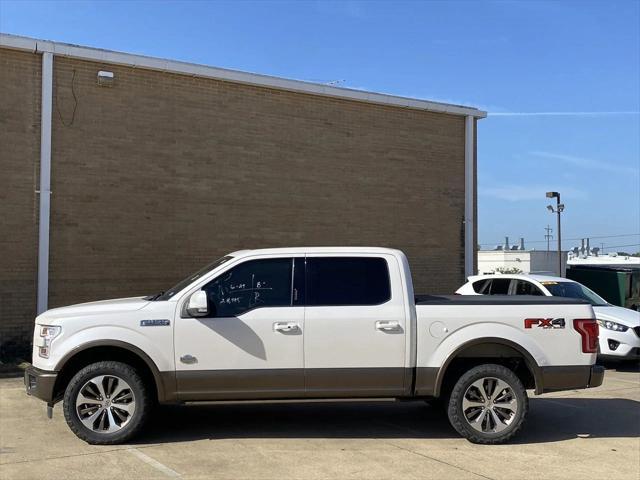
x=19, y=167
x=161, y=173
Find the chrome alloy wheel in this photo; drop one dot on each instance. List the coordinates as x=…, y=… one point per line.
x=489, y=405
x=105, y=404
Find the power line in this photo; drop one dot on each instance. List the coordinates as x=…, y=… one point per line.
x=548, y=235
x=620, y=246
x=607, y=236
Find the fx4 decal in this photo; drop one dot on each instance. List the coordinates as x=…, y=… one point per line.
x=544, y=322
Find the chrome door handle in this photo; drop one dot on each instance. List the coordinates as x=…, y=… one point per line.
x=387, y=325
x=285, y=327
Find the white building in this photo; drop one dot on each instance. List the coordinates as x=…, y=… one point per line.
x=608, y=260
x=527, y=261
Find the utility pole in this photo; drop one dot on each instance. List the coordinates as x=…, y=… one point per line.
x=548, y=235
x=558, y=209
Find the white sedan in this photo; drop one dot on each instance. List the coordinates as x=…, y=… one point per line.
x=619, y=327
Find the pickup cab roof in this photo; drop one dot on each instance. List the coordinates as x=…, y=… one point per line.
x=315, y=250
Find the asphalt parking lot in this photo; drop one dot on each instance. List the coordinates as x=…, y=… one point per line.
x=588, y=434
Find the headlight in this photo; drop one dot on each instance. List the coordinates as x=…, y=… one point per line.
x=47, y=334
x=609, y=325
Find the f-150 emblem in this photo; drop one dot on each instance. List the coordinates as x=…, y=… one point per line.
x=544, y=322
x=156, y=322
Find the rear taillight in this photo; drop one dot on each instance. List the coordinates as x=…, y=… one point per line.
x=588, y=330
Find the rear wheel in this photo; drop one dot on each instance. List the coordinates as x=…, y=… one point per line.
x=488, y=404
x=106, y=403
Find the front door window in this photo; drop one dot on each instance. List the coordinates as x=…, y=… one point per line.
x=250, y=285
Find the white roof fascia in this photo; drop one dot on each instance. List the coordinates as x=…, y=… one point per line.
x=185, y=68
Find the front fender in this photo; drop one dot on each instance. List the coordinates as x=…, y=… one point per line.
x=110, y=335
x=123, y=338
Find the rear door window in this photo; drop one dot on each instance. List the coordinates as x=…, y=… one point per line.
x=339, y=281
x=500, y=286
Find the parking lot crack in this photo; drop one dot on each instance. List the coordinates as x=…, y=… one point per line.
x=63, y=456
x=77, y=455
x=439, y=461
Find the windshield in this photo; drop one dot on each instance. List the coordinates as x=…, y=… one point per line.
x=189, y=280
x=575, y=290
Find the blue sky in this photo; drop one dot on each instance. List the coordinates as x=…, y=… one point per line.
x=513, y=59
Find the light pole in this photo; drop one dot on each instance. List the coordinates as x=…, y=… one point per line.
x=558, y=209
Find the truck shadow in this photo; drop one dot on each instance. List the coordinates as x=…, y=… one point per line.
x=550, y=420
x=621, y=366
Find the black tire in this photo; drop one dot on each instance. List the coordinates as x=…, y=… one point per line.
x=498, y=423
x=130, y=424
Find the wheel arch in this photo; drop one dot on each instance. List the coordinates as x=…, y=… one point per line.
x=94, y=351
x=477, y=345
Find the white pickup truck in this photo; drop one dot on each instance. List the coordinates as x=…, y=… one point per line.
x=301, y=323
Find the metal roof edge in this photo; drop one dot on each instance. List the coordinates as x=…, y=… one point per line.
x=17, y=42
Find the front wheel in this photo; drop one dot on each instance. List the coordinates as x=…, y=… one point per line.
x=488, y=404
x=106, y=403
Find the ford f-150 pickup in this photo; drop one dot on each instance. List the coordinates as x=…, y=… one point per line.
x=309, y=323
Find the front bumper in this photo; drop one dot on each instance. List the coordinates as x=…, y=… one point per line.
x=574, y=377
x=622, y=345
x=40, y=383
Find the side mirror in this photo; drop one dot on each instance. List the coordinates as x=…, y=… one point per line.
x=197, y=304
